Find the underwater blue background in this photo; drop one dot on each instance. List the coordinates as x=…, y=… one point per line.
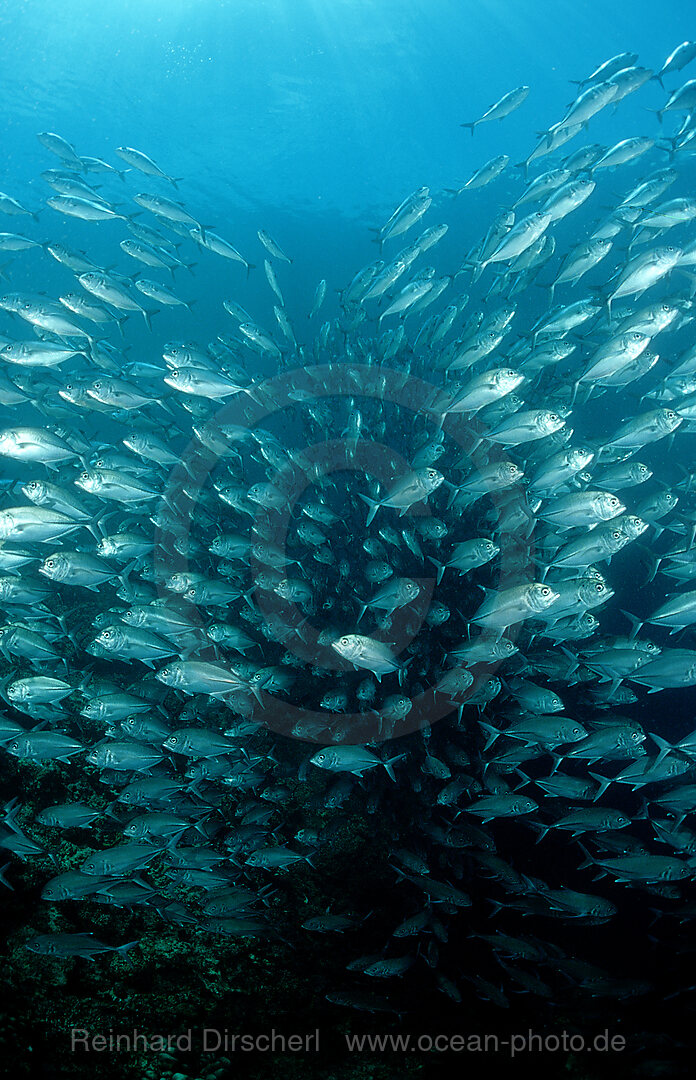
x=312, y=119
x=312, y=115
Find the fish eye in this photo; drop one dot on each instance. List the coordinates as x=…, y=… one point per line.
x=96, y=385
x=545, y=590
x=344, y=641
x=50, y=563
x=598, y=586
x=616, y=534
x=84, y=476
x=14, y=745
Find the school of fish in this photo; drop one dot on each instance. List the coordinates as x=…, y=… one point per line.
x=429, y=562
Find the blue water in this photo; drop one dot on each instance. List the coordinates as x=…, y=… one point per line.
x=312, y=119
x=310, y=112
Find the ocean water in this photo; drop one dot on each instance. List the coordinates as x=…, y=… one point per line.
x=313, y=120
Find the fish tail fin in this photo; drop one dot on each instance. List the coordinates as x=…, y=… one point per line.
x=574, y=660
x=147, y=315
x=403, y=669
x=373, y=505
x=470, y=126
x=494, y=733
x=9, y=813
x=603, y=785
x=62, y=622
x=123, y=950
x=91, y=527
x=588, y=861
x=388, y=766
x=440, y=567
x=665, y=747
x=636, y=624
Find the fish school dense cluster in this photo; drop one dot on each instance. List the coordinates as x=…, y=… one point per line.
x=260, y=580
